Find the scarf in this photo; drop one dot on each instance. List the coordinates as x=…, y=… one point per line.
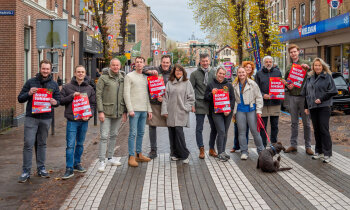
x=206, y=74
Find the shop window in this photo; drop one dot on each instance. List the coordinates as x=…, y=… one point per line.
x=131, y=34
x=346, y=61
x=312, y=11
x=302, y=14
x=294, y=18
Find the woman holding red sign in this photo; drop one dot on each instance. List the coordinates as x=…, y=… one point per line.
x=249, y=104
x=221, y=98
x=176, y=106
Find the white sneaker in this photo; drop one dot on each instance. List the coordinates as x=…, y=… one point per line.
x=327, y=159
x=114, y=162
x=317, y=156
x=174, y=158
x=244, y=157
x=186, y=161
x=101, y=167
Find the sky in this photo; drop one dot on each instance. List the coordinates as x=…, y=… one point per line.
x=177, y=19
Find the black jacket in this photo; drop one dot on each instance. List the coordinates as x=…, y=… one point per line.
x=208, y=95
x=67, y=96
x=319, y=87
x=38, y=82
x=262, y=78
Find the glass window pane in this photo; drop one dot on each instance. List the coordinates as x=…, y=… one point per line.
x=131, y=33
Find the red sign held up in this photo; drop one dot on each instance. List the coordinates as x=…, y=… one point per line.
x=276, y=88
x=81, y=106
x=156, y=86
x=41, y=101
x=221, y=100
x=296, y=75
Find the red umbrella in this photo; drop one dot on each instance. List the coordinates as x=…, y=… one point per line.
x=260, y=124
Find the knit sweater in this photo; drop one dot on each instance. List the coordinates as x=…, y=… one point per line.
x=136, y=93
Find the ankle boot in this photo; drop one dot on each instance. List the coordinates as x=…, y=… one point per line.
x=201, y=153
x=141, y=158
x=132, y=162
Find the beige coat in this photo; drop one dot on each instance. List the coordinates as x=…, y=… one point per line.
x=177, y=102
x=251, y=95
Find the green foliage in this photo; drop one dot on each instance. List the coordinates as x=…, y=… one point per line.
x=149, y=60
x=123, y=59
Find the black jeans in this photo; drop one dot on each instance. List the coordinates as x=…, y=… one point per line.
x=177, y=142
x=320, y=121
x=274, y=129
x=222, y=123
x=199, y=130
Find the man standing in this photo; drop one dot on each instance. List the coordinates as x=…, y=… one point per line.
x=36, y=126
x=111, y=111
x=199, y=80
x=296, y=104
x=157, y=120
x=138, y=105
x=272, y=107
x=76, y=129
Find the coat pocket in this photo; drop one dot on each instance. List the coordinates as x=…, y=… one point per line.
x=109, y=108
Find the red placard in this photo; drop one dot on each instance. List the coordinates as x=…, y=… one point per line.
x=81, y=106
x=276, y=88
x=156, y=86
x=221, y=100
x=41, y=101
x=296, y=75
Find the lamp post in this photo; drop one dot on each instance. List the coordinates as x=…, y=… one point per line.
x=120, y=43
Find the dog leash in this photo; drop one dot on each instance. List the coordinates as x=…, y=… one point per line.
x=262, y=125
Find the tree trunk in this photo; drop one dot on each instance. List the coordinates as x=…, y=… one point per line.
x=264, y=27
x=102, y=25
x=123, y=25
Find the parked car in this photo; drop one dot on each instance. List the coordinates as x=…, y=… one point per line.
x=342, y=100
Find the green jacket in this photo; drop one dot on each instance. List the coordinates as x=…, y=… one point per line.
x=197, y=81
x=109, y=94
x=297, y=91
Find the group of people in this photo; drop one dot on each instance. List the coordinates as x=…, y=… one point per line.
x=119, y=96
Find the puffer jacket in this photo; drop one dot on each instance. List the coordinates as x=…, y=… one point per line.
x=262, y=78
x=67, y=96
x=251, y=96
x=319, y=87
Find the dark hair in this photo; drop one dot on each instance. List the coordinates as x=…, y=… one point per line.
x=202, y=56
x=292, y=46
x=172, y=73
x=165, y=56
x=78, y=66
x=46, y=62
x=139, y=57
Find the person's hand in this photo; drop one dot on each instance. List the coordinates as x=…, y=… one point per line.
x=131, y=114
x=125, y=117
x=160, y=98
x=234, y=117
x=258, y=114
x=305, y=66
x=317, y=101
x=165, y=115
x=226, y=114
x=76, y=94
x=85, y=118
x=149, y=115
x=101, y=116
x=32, y=91
x=266, y=96
x=306, y=111
x=193, y=109
x=291, y=86
x=53, y=101
x=152, y=72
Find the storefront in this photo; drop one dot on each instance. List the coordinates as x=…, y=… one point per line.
x=89, y=55
x=328, y=39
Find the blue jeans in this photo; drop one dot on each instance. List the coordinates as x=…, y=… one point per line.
x=75, y=137
x=199, y=130
x=236, y=141
x=137, y=129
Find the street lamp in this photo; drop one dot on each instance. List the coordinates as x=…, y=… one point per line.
x=120, y=43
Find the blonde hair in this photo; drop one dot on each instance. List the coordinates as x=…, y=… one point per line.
x=220, y=67
x=325, y=66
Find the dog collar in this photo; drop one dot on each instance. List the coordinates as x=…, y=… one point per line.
x=273, y=149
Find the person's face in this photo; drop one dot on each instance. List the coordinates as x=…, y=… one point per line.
x=205, y=62
x=318, y=68
x=115, y=66
x=45, y=70
x=220, y=75
x=80, y=73
x=139, y=63
x=268, y=63
x=165, y=63
x=294, y=53
x=242, y=74
x=248, y=68
x=178, y=73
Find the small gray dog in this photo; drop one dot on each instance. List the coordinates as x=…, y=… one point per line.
x=266, y=162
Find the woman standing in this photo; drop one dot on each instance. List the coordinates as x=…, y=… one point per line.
x=249, y=68
x=222, y=121
x=318, y=91
x=249, y=104
x=177, y=103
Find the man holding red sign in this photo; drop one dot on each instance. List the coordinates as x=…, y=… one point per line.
x=296, y=77
x=37, y=123
x=79, y=100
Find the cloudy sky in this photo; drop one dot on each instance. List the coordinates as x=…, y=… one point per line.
x=177, y=19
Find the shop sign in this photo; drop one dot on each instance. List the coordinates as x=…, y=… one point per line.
x=331, y=24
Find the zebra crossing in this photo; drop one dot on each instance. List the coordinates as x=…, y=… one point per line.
x=164, y=184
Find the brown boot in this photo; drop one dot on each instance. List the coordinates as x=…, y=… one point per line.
x=212, y=153
x=290, y=149
x=309, y=151
x=201, y=153
x=141, y=158
x=132, y=162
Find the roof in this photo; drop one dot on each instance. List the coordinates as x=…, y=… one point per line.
x=226, y=46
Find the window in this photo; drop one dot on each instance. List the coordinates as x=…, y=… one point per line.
x=284, y=9
x=42, y=3
x=27, y=57
x=131, y=33
x=294, y=18
x=73, y=7
x=81, y=10
x=64, y=4
x=278, y=12
x=312, y=11
x=228, y=52
x=332, y=12
x=302, y=14
x=72, y=58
